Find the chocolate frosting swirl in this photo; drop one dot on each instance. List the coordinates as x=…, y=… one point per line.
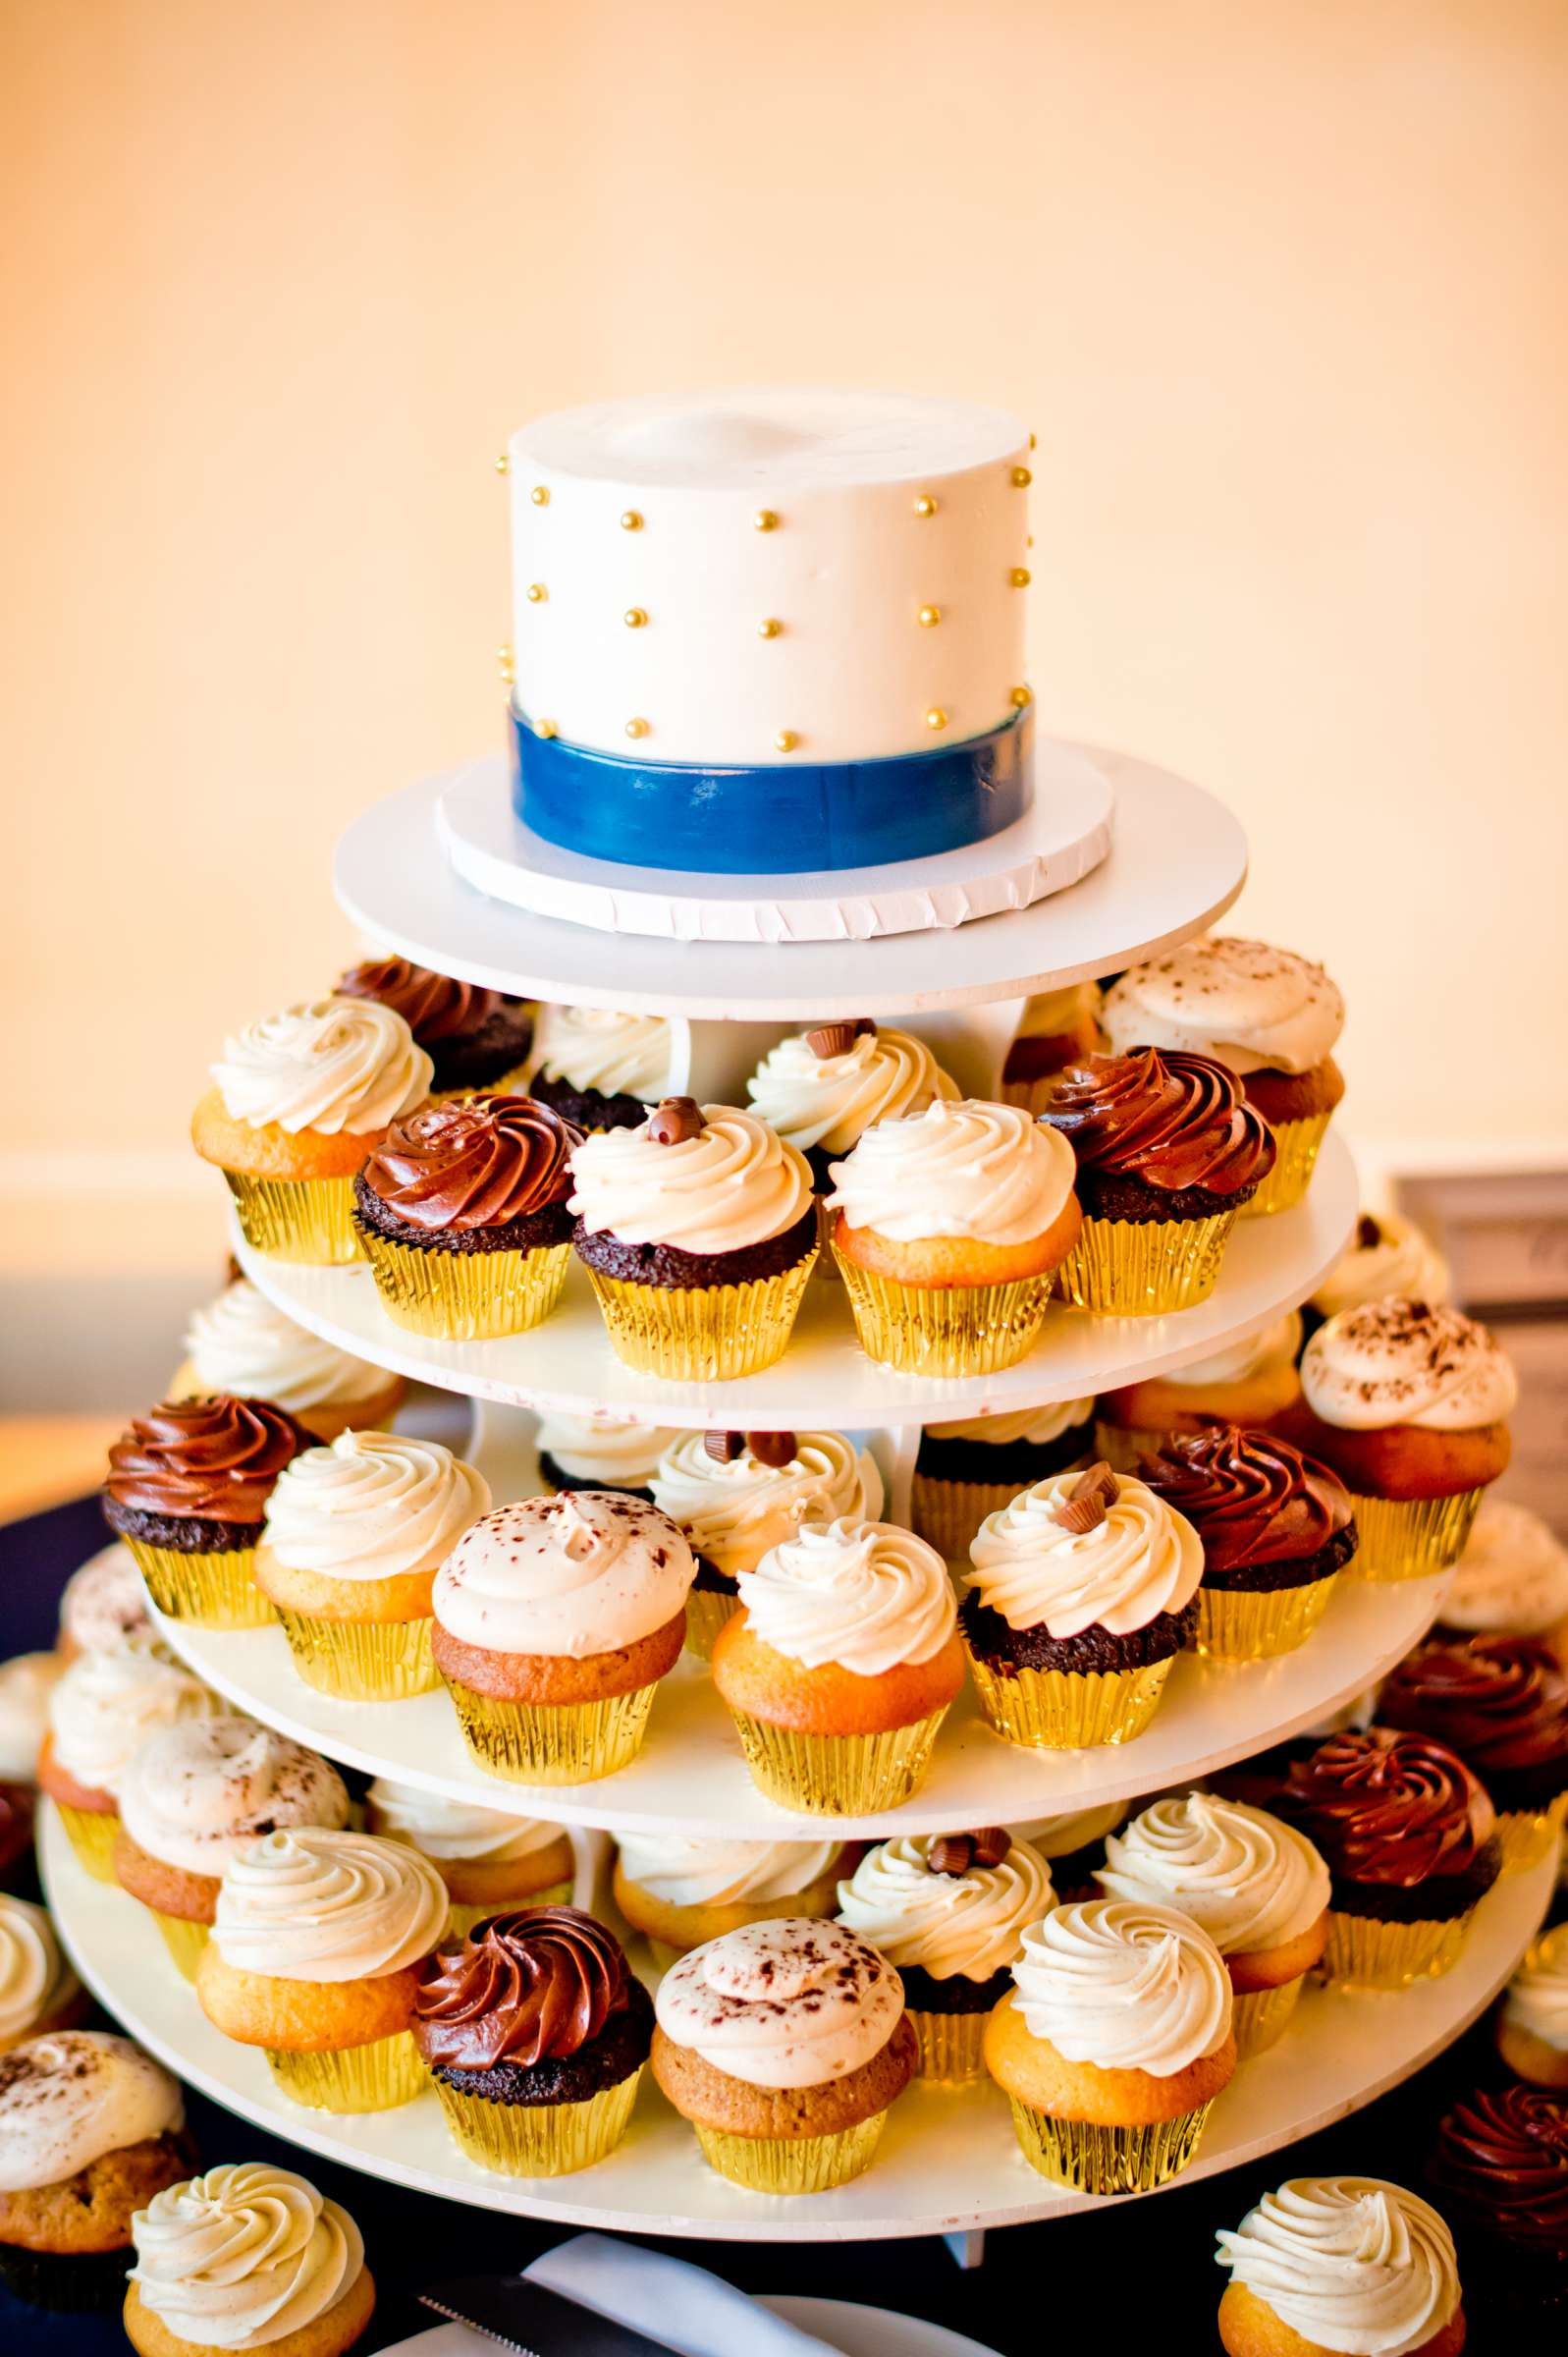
x=1499, y=1702
x=1251, y=1498
x=1388, y=1807
x=434, y=1007
x=477, y=1163
x=1169, y=1119
x=539, y=1981
x=217, y=1457
x=1502, y=2159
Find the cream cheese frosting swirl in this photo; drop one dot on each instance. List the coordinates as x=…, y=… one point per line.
x=734, y=1512
x=788, y=2003
x=1513, y=1574
x=27, y=1681
x=585, y=1572
x=962, y=1168
x=618, y=1452
x=1038, y=1426
x=1390, y=1255
x=828, y=1100
x=71, y=2096
x=593, y=1047
x=372, y=1506
x=1352, y=2264
x=242, y=1343
x=1141, y=1561
x=1124, y=1986
x=1250, y=1006
x=36, y=1980
x=951, y=1924
x=243, y=2255
x=454, y=1829
x=1536, y=1999
x=310, y=1904
x=735, y=1184
x=1406, y=1362
x=333, y=1064
x=1247, y=1880
x=1274, y=1345
x=199, y=1792
x=104, y=1602
x=688, y=1872
x=866, y=1595
x=107, y=1705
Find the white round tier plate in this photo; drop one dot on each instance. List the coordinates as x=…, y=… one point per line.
x=948, y=2164
x=1063, y=835
x=1179, y=861
x=823, y=1377
x=842, y=2325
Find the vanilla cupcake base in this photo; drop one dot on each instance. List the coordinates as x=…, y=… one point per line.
x=1091, y=2159
x=376, y=2077
x=361, y=1661
x=707, y=1610
x=794, y=2163
x=1410, y=1538
x=1527, y=1835
x=464, y=1915
x=539, y=2139
x=305, y=1220
x=839, y=1775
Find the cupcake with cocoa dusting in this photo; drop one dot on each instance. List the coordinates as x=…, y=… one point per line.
x=600, y=1070
x=475, y=1037
x=1501, y=1703
x=821, y=1089
x=1411, y=1843
x=461, y=1210
x=967, y=1470
x=535, y=2033
x=1499, y=2165
x=1168, y=1152
x=1276, y=1530
x=187, y=1489
x=1058, y=1029
x=102, y=1604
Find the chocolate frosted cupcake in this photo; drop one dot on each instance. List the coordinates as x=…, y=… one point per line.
x=475, y=1037
x=970, y=1469
x=535, y=2033
x=1276, y=1529
x=461, y=1210
x=187, y=1489
x=600, y=1070
x=1411, y=1843
x=1167, y=1154
x=1501, y=1703
x=821, y=1089
x=1499, y=2165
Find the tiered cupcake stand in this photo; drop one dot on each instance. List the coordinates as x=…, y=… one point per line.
x=948, y=2163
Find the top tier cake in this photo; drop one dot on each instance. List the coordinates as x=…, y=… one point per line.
x=770, y=631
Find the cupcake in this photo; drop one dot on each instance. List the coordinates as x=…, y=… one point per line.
x=488, y=1861
x=355, y=1536
x=27, y=1681
x=298, y=1101
x=475, y=1037
x=967, y=1470
x=1411, y=1845
x=784, y=2044
x=1499, y=2165
x=1112, y=2044
x=1167, y=1153
x=186, y=1490
x=1073, y=1845
x=100, y=1714
x=1276, y=1529
x=822, y=1089
x=1255, y=1884
x=39, y=1994
x=103, y=1603
x=91, y=2130
x=1501, y=1703
x=1389, y=1254
x=1082, y=1593
x=1533, y=2019
x=314, y=1955
x=246, y=2257
x=600, y=1451
x=1340, y=2263
x=242, y=1344
x=1248, y=1383
x=841, y=1666
x=554, y=1620
x=1058, y=1029
x=698, y=1230
x=462, y=1213
x=1269, y=1016
x=193, y=1797
x=949, y=1911
x=535, y=2034
x=948, y=1228
x=600, y=1071
x=1407, y=1403
x=736, y=1494
x=679, y=1891
x=1512, y=1580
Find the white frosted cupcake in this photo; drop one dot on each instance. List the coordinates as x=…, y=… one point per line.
x=600, y=1451
x=967, y=1470
x=103, y=1710
x=39, y=1991
x=1248, y=1383
x=246, y=2257
x=1512, y=1580
x=27, y=1681
x=355, y=1536
x=1331, y=2265
x=822, y=1089
x=1256, y=1886
x=1390, y=1254
x=103, y=1603
x=950, y=1910
x=599, y=1069
x=679, y=1891
x=487, y=1859
x=1532, y=2019
x=242, y=1343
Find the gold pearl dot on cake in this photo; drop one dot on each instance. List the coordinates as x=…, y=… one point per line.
x=502, y=463
x=1021, y=478
x=928, y=617
x=1019, y=576
x=936, y=718
x=540, y=496
x=767, y=627
x=508, y=667
x=1019, y=697
x=925, y=505
x=1032, y=441
x=635, y=617
x=764, y=520
x=636, y=728
x=537, y=593
x=631, y=522
x=545, y=728
x=785, y=741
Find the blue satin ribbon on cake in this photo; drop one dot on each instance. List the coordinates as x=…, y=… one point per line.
x=785, y=819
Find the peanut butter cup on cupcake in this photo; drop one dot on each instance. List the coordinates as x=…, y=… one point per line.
x=1500, y=2166
x=1501, y=1703
x=822, y=1089
x=600, y=1070
x=475, y=1037
x=188, y=1489
x=969, y=1469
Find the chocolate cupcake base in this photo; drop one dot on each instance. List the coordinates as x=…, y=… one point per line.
x=586, y=1107
x=559, y=1479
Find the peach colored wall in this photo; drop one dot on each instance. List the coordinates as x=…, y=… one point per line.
x=1279, y=285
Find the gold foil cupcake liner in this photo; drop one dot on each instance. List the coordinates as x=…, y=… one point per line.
x=1364, y=1952
x=1069, y=1710
x=706, y=1613
x=1091, y=2159
x=1410, y=1538
x=792, y=2164
x=1296, y=1158
x=1253, y=1625
x=1527, y=1835
x=308, y=1220
x=838, y=1775
x=463, y=1914
x=361, y=1661
x=91, y=1833
x=951, y=2046
x=702, y=1332
x=183, y=1940
x=1261, y=2017
x=376, y=2077
x=539, y=2139
x=215, y=1591
x=1142, y=1268
x=464, y=1297
x=553, y=1744
x=945, y=1330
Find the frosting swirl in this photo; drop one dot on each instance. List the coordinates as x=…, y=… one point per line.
x=1036, y=1425
x=242, y=2257
x=36, y=1980
x=735, y=1184
x=202, y=1790
x=1253, y=1006
x=71, y=2096
x=311, y=1905
x=591, y=1047
x=961, y=1167
x=787, y=2003
x=1500, y=1702
x=331, y=1065
x=1141, y=1561
x=1247, y=1880
x=27, y=1682
x=1124, y=1986
x=1406, y=1362
x=585, y=1572
x=609, y=1452
x=539, y=1981
x=866, y=1595
x=1536, y=1998
x=685, y=1872
x=107, y=1705
x=1274, y=1345
x=476, y=1163
x=951, y=1924
x=215, y=1458
x=1501, y=2157
x=1386, y=1807
x=435, y=1007
x=1251, y=1498
x=827, y=1101
x=104, y=1602
x=734, y=1512
x=1512, y=1575
x=1172, y=1121
x=243, y=1344
x=454, y=1829
x=1348, y=2262
x=373, y=1506
x=1390, y=1255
